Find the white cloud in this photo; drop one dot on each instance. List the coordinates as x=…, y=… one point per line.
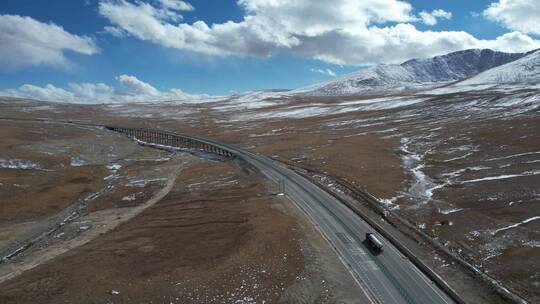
x=327, y=72
x=442, y=14
x=117, y=32
x=431, y=18
x=177, y=5
x=142, y=19
x=136, y=91
x=91, y=91
x=512, y=42
x=347, y=32
x=519, y=15
x=48, y=92
x=403, y=41
x=27, y=42
x=137, y=86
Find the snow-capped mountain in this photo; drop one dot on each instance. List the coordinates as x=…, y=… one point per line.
x=450, y=67
x=525, y=69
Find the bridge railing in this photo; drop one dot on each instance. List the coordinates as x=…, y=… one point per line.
x=167, y=139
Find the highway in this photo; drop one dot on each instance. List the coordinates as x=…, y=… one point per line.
x=388, y=277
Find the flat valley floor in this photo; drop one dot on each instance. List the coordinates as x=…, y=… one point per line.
x=462, y=167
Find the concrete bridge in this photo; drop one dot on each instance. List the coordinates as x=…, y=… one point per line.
x=170, y=139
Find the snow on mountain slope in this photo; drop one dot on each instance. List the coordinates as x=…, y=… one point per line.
x=253, y=100
x=379, y=76
x=525, y=69
x=415, y=72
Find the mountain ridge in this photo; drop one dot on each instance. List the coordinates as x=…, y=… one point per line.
x=453, y=66
x=524, y=69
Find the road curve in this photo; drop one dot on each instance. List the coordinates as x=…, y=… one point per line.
x=388, y=277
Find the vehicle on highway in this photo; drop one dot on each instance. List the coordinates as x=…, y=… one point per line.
x=374, y=242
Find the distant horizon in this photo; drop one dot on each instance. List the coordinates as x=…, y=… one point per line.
x=157, y=49
x=126, y=97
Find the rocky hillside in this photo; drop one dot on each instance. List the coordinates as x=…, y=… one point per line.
x=525, y=70
x=450, y=67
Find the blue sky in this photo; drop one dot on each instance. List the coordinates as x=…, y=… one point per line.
x=303, y=48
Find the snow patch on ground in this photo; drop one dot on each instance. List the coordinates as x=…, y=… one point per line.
x=270, y=133
x=291, y=112
x=457, y=173
x=533, y=244
x=390, y=203
x=392, y=104
x=507, y=176
x=513, y=156
x=21, y=164
x=143, y=182
x=114, y=167
x=451, y=210
x=158, y=159
x=535, y=218
x=130, y=197
x=460, y=88
x=252, y=100
x=78, y=162
x=422, y=186
x=320, y=109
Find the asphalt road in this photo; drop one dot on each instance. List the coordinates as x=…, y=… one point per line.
x=388, y=277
